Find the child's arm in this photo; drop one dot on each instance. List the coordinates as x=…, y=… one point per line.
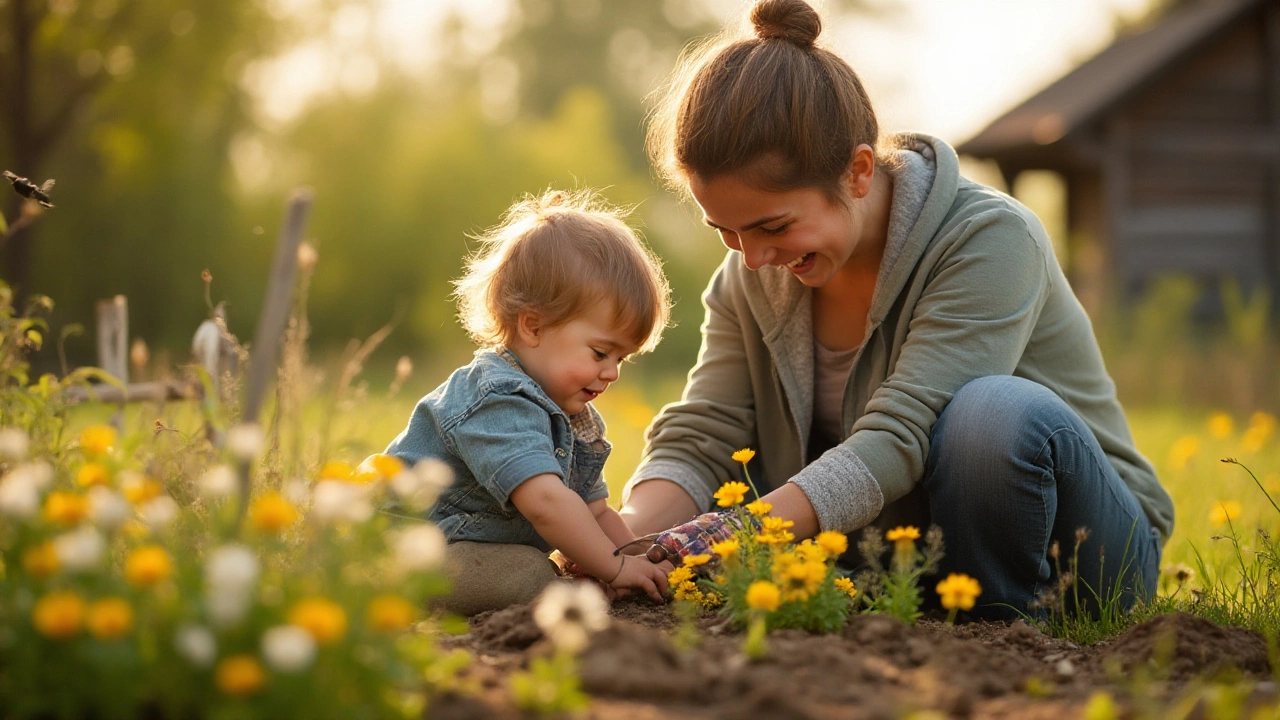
x=564, y=520
x=611, y=523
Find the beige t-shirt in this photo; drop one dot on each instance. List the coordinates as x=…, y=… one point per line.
x=831, y=373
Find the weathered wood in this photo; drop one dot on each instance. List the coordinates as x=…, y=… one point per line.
x=135, y=392
x=113, y=337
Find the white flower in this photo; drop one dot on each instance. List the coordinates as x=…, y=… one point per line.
x=420, y=547
x=297, y=492
x=230, y=575
x=38, y=473
x=19, y=498
x=158, y=513
x=288, y=648
x=419, y=487
x=335, y=500
x=245, y=441
x=80, y=549
x=197, y=644
x=220, y=481
x=567, y=613
x=108, y=509
x=14, y=443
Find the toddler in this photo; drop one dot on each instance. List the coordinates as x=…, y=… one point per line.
x=560, y=294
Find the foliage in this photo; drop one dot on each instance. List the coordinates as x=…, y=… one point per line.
x=895, y=590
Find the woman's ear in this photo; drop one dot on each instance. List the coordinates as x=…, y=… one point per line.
x=529, y=328
x=862, y=170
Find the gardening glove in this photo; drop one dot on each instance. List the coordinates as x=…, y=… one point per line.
x=698, y=535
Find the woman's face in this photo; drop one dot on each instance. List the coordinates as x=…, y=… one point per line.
x=801, y=230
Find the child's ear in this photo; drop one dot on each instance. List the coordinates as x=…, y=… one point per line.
x=529, y=328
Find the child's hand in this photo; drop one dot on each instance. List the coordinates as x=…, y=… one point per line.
x=637, y=572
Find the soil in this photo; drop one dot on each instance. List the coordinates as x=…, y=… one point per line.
x=876, y=667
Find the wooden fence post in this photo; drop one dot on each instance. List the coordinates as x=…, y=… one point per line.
x=113, y=337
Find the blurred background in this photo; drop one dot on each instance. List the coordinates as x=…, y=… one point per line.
x=176, y=130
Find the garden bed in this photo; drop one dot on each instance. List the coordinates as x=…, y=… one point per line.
x=876, y=667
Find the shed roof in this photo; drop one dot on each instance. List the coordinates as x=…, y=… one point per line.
x=1128, y=64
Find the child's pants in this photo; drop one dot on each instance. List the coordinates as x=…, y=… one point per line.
x=491, y=576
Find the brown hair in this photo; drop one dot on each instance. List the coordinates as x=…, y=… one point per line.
x=558, y=255
x=775, y=106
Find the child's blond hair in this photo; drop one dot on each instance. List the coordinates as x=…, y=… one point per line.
x=558, y=255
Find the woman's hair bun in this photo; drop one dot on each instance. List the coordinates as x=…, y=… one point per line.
x=791, y=20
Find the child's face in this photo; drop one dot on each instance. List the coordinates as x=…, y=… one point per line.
x=574, y=362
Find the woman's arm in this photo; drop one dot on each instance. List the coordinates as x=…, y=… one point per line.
x=655, y=505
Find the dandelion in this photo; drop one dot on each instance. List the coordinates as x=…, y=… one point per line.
x=1220, y=425
x=730, y=493
x=110, y=618
x=288, y=648
x=568, y=613
x=97, y=440
x=1180, y=573
x=147, y=565
x=323, y=618
x=92, y=474
x=271, y=513
x=14, y=443
x=197, y=644
x=1184, y=449
x=835, y=543
x=244, y=441
x=239, y=676
x=726, y=549
x=40, y=561
x=958, y=591
x=845, y=585
x=218, y=482
x=763, y=595
x=679, y=576
x=65, y=508
x=744, y=455
x=759, y=508
x=58, y=615
x=80, y=549
x=390, y=613
x=696, y=560
x=1224, y=511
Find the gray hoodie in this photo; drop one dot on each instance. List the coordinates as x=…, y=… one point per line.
x=968, y=287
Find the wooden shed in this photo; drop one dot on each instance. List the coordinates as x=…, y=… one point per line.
x=1169, y=145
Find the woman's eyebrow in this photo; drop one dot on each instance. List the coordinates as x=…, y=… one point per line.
x=748, y=226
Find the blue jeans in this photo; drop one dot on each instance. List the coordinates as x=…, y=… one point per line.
x=1012, y=470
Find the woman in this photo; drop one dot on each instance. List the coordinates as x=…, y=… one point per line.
x=898, y=342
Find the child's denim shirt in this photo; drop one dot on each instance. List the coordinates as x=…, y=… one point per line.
x=496, y=428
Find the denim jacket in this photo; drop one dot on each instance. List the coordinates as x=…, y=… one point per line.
x=496, y=428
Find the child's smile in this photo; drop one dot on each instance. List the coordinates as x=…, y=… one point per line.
x=574, y=362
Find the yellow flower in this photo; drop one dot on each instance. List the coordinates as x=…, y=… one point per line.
x=240, y=675
x=688, y=591
x=138, y=489
x=391, y=613
x=324, y=619
x=272, y=513
x=1220, y=425
x=774, y=531
x=110, y=618
x=763, y=595
x=744, y=455
x=799, y=577
x=730, y=493
x=58, y=615
x=759, y=507
x=337, y=470
x=809, y=550
x=40, y=561
x=92, y=473
x=64, y=508
x=386, y=465
x=1224, y=511
x=1183, y=450
x=908, y=534
x=959, y=591
x=147, y=566
x=97, y=440
x=712, y=600
x=679, y=575
x=696, y=560
x=1255, y=438
x=846, y=585
x=835, y=543
x=1264, y=421
x=726, y=549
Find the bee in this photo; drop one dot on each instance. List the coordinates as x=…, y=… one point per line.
x=30, y=190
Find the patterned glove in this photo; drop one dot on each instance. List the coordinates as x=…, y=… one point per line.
x=697, y=536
